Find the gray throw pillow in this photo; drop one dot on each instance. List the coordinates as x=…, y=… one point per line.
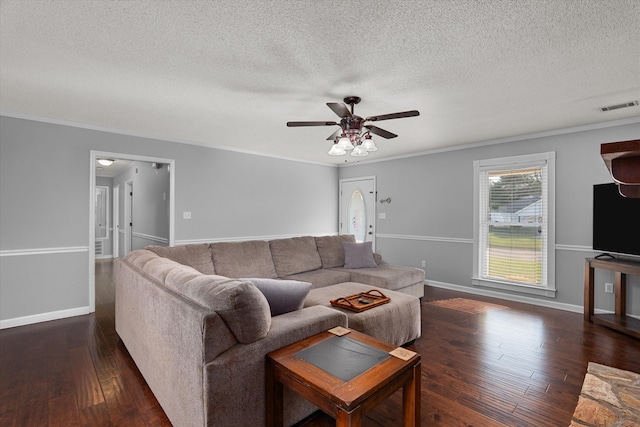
x=283, y=296
x=358, y=255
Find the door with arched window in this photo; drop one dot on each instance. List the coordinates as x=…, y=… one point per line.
x=357, y=208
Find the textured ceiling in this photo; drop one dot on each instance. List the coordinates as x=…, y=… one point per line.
x=232, y=73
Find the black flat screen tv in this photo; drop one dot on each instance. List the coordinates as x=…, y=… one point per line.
x=616, y=221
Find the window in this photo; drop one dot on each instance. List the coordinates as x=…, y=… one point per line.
x=514, y=223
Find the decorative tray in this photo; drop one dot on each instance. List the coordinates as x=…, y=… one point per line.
x=362, y=301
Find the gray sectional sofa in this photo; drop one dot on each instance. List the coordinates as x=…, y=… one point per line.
x=198, y=320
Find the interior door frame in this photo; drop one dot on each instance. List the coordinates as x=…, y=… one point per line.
x=128, y=216
x=93, y=157
x=115, y=251
x=373, y=208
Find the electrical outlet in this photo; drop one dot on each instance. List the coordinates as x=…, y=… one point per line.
x=424, y=263
x=608, y=288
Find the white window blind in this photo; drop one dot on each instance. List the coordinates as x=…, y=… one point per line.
x=513, y=222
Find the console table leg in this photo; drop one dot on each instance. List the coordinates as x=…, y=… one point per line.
x=621, y=294
x=588, y=291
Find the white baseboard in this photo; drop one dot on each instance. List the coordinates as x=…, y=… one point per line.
x=508, y=297
x=43, y=317
x=518, y=298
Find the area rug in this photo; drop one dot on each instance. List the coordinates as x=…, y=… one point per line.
x=467, y=305
x=610, y=397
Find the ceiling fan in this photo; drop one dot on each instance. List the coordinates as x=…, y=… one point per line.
x=354, y=134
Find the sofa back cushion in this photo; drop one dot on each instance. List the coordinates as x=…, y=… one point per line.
x=331, y=250
x=295, y=255
x=243, y=259
x=197, y=256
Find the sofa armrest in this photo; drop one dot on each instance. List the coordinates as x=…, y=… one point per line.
x=237, y=375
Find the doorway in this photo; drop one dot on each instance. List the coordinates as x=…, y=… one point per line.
x=94, y=155
x=358, y=208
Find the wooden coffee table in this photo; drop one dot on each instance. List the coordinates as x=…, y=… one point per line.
x=346, y=401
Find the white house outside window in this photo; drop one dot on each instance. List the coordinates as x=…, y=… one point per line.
x=514, y=223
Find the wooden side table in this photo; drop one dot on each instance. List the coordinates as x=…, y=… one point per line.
x=346, y=401
x=619, y=320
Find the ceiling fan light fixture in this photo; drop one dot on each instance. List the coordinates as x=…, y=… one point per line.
x=336, y=150
x=354, y=134
x=368, y=144
x=359, y=151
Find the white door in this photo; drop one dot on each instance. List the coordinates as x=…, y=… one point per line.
x=358, y=208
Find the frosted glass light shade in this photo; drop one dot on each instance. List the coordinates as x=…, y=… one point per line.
x=345, y=143
x=336, y=151
x=369, y=145
x=359, y=152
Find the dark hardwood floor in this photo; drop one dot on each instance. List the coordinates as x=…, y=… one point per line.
x=519, y=366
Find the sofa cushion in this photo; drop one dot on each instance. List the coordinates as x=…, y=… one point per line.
x=295, y=255
x=196, y=256
x=321, y=277
x=140, y=257
x=331, y=251
x=243, y=259
x=358, y=255
x=242, y=307
x=159, y=268
x=387, y=276
x=283, y=296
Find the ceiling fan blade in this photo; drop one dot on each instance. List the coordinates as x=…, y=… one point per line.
x=401, y=115
x=333, y=135
x=340, y=109
x=381, y=132
x=297, y=124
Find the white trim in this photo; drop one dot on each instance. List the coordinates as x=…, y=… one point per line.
x=515, y=138
x=518, y=298
x=43, y=317
x=375, y=204
x=426, y=238
x=152, y=238
x=545, y=160
x=522, y=288
x=508, y=297
x=88, y=126
x=574, y=248
x=43, y=251
x=249, y=238
x=559, y=247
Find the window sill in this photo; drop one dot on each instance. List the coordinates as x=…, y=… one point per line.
x=522, y=289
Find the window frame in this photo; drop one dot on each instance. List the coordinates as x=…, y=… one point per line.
x=547, y=160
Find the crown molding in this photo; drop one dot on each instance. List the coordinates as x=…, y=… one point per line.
x=515, y=138
x=87, y=126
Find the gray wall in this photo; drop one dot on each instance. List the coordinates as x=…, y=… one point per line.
x=151, y=197
x=44, y=207
x=431, y=214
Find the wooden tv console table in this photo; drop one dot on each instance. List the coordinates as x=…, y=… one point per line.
x=619, y=320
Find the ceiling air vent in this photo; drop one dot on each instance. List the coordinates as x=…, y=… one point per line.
x=616, y=107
